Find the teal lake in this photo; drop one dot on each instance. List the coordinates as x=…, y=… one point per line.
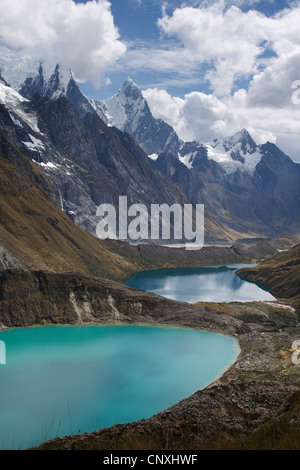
x=206, y=284
x=61, y=380
x=64, y=380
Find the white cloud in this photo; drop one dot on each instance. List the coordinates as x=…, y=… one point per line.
x=272, y=87
x=204, y=117
x=196, y=117
x=218, y=43
x=81, y=36
x=229, y=41
x=212, y=40
x=164, y=106
x=234, y=45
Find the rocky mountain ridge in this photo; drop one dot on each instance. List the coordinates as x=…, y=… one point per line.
x=88, y=162
x=129, y=111
x=96, y=151
x=250, y=188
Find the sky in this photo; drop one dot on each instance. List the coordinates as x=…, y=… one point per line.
x=208, y=68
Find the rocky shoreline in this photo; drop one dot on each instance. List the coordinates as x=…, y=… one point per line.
x=254, y=391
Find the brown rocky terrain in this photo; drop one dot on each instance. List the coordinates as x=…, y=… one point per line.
x=281, y=273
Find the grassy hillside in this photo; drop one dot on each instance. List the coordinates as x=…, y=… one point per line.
x=36, y=232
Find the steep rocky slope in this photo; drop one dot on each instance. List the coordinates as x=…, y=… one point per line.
x=129, y=111
x=281, y=273
x=60, y=84
x=247, y=189
x=37, y=233
x=88, y=162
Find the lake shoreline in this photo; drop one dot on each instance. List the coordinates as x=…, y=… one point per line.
x=247, y=396
x=213, y=284
x=94, y=369
x=263, y=367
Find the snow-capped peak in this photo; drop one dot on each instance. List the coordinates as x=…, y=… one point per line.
x=247, y=144
x=57, y=83
x=130, y=97
x=13, y=102
x=236, y=152
x=129, y=83
x=240, y=136
x=22, y=71
x=129, y=88
x=126, y=106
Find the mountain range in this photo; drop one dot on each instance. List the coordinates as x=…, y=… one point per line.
x=94, y=151
x=61, y=156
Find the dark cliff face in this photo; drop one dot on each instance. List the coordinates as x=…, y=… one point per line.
x=88, y=162
x=112, y=157
x=276, y=193
x=154, y=135
x=33, y=85
x=168, y=164
x=40, y=297
x=78, y=100
x=37, y=233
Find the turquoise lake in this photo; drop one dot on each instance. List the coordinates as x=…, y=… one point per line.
x=64, y=380
x=207, y=284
